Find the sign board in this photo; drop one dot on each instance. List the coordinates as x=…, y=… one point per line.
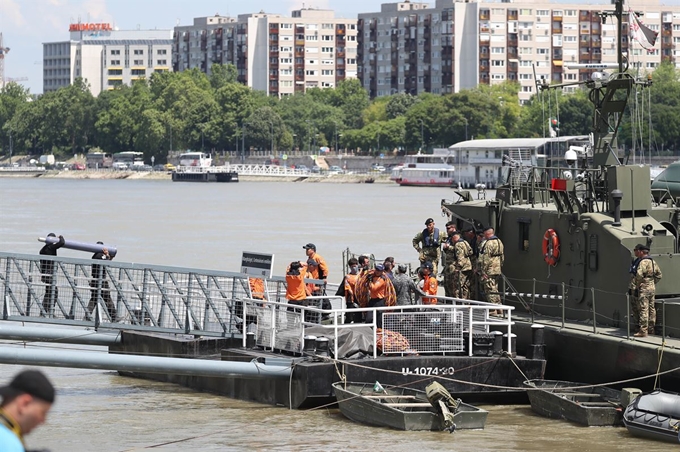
x=257, y=264
x=90, y=27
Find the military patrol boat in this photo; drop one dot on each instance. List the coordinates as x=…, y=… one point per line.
x=569, y=228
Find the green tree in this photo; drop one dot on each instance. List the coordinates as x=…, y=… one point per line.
x=221, y=75
x=399, y=104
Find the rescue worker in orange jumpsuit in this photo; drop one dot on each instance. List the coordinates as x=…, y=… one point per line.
x=347, y=289
x=430, y=284
x=296, y=289
x=322, y=271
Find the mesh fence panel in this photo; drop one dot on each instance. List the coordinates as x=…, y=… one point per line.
x=426, y=332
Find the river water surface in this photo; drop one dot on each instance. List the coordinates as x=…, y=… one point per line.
x=208, y=226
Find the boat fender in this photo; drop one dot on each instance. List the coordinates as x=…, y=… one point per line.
x=551, y=247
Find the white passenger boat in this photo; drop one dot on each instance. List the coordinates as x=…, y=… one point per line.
x=426, y=170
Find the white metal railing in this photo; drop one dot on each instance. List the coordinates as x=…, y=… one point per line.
x=270, y=170
x=283, y=324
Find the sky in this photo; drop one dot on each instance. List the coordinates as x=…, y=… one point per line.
x=27, y=24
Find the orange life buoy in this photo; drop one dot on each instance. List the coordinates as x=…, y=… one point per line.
x=551, y=247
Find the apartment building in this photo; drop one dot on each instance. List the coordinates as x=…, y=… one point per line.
x=273, y=53
x=105, y=57
x=450, y=45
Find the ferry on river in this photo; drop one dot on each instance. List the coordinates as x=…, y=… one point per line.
x=197, y=167
x=426, y=170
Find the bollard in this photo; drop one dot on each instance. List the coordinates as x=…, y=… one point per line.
x=309, y=346
x=537, y=334
x=512, y=342
x=250, y=339
x=497, y=342
x=322, y=346
x=537, y=347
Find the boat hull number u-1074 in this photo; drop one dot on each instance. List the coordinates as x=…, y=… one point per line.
x=427, y=371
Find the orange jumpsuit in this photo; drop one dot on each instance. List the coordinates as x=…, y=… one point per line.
x=430, y=287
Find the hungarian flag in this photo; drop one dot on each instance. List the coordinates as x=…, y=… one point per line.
x=642, y=34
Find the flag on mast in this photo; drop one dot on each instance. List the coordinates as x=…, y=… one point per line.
x=641, y=33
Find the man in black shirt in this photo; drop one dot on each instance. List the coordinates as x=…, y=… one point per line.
x=100, y=286
x=47, y=274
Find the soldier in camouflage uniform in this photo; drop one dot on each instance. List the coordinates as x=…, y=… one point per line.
x=490, y=262
x=461, y=266
x=448, y=259
x=427, y=244
x=645, y=273
x=470, y=236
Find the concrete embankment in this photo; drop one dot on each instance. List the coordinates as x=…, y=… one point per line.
x=160, y=175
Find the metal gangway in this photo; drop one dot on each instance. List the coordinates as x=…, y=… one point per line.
x=124, y=296
x=270, y=170
x=68, y=291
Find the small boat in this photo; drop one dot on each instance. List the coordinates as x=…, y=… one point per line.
x=405, y=408
x=655, y=415
x=597, y=406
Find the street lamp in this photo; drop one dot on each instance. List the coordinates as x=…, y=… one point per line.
x=10, y=147
x=309, y=134
x=243, y=142
x=271, y=123
x=422, y=137
x=378, y=141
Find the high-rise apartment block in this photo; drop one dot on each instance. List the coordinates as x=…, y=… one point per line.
x=416, y=47
x=272, y=53
x=105, y=57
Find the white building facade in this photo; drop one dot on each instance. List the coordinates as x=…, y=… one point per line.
x=273, y=53
x=104, y=57
x=449, y=45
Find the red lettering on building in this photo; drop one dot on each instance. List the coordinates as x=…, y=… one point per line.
x=90, y=27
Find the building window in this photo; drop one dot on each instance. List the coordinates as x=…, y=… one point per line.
x=327, y=49
x=312, y=38
x=327, y=38
x=162, y=62
x=327, y=72
x=311, y=62
x=287, y=26
x=161, y=52
x=498, y=63
x=115, y=62
x=115, y=72
x=497, y=49
x=311, y=73
x=139, y=52
x=138, y=72
x=115, y=82
x=138, y=62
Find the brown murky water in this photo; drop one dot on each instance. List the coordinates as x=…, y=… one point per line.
x=208, y=226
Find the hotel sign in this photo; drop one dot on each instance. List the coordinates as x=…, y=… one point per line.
x=90, y=27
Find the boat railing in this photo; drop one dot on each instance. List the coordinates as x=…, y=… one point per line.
x=534, y=185
x=548, y=297
x=449, y=326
